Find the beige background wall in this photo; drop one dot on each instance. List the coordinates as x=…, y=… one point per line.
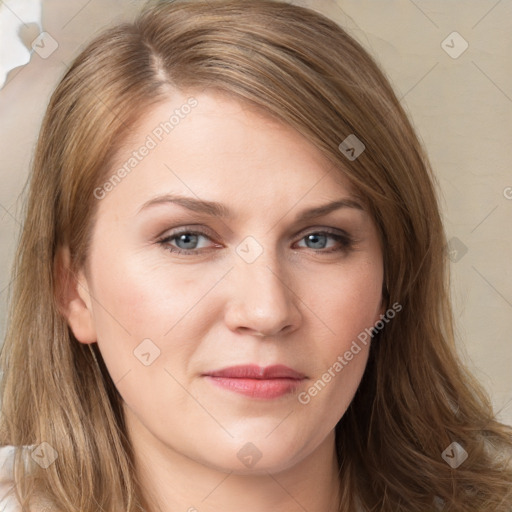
x=461, y=106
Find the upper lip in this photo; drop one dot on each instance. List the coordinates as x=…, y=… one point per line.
x=252, y=371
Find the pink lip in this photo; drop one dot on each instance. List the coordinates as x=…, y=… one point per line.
x=256, y=381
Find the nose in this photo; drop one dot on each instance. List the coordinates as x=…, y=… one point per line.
x=262, y=300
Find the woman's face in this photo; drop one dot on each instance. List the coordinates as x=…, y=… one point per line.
x=179, y=294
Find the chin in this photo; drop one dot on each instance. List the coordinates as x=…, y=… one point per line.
x=259, y=455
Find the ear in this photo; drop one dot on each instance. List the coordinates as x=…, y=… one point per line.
x=73, y=298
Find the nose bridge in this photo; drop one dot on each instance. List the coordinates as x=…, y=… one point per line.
x=266, y=275
x=262, y=299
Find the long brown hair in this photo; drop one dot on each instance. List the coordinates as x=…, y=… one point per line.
x=415, y=399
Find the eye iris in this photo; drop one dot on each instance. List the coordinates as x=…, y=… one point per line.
x=317, y=239
x=189, y=239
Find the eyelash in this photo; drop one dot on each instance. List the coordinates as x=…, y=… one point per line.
x=346, y=242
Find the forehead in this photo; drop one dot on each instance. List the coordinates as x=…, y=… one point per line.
x=218, y=148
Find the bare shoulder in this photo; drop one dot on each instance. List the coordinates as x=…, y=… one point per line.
x=8, y=499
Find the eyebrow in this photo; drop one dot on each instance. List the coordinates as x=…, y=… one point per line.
x=216, y=209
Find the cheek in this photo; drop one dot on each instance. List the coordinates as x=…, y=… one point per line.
x=348, y=301
x=347, y=312
x=147, y=296
x=135, y=302
x=141, y=298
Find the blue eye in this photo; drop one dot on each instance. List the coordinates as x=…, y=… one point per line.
x=188, y=242
x=187, y=239
x=318, y=241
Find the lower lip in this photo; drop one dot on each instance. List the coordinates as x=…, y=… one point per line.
x=257, y=388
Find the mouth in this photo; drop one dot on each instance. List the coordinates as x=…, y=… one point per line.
x=257, y=381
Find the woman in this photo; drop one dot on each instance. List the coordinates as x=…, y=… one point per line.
x=232, y=284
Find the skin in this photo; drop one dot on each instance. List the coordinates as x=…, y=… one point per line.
x=203, y=311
